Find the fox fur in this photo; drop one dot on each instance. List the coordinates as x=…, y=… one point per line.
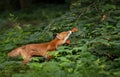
x=30, y=50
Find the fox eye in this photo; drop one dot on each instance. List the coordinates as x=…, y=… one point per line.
x=54, y=35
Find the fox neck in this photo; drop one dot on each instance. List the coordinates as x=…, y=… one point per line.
x=70, y=32
x=56, y=42
x=52, y=45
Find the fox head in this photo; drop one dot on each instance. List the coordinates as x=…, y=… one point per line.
x=63, y=36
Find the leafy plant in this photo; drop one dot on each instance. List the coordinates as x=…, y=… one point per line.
x=94, y=50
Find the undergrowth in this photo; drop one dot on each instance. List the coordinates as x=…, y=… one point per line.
x=94, y=50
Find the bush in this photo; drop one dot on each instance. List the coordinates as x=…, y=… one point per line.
x=94, y=49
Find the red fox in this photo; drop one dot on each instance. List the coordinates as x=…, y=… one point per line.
x=30, y=50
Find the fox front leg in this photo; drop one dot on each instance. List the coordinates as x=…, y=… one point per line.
x=48, y=57
x=67, y=42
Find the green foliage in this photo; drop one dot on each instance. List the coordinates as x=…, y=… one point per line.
x=94, y=50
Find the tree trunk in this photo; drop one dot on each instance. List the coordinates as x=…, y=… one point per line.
x=23, y=4
x=8, y=6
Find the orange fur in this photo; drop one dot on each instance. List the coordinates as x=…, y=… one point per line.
x=30, y=50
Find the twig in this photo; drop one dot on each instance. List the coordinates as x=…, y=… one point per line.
x=84, y=11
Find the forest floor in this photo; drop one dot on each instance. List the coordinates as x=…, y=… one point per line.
x=94, y=50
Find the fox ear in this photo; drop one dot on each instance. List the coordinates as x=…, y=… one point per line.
x=58, y=36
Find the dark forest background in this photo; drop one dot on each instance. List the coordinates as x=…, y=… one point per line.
x=24, y=4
